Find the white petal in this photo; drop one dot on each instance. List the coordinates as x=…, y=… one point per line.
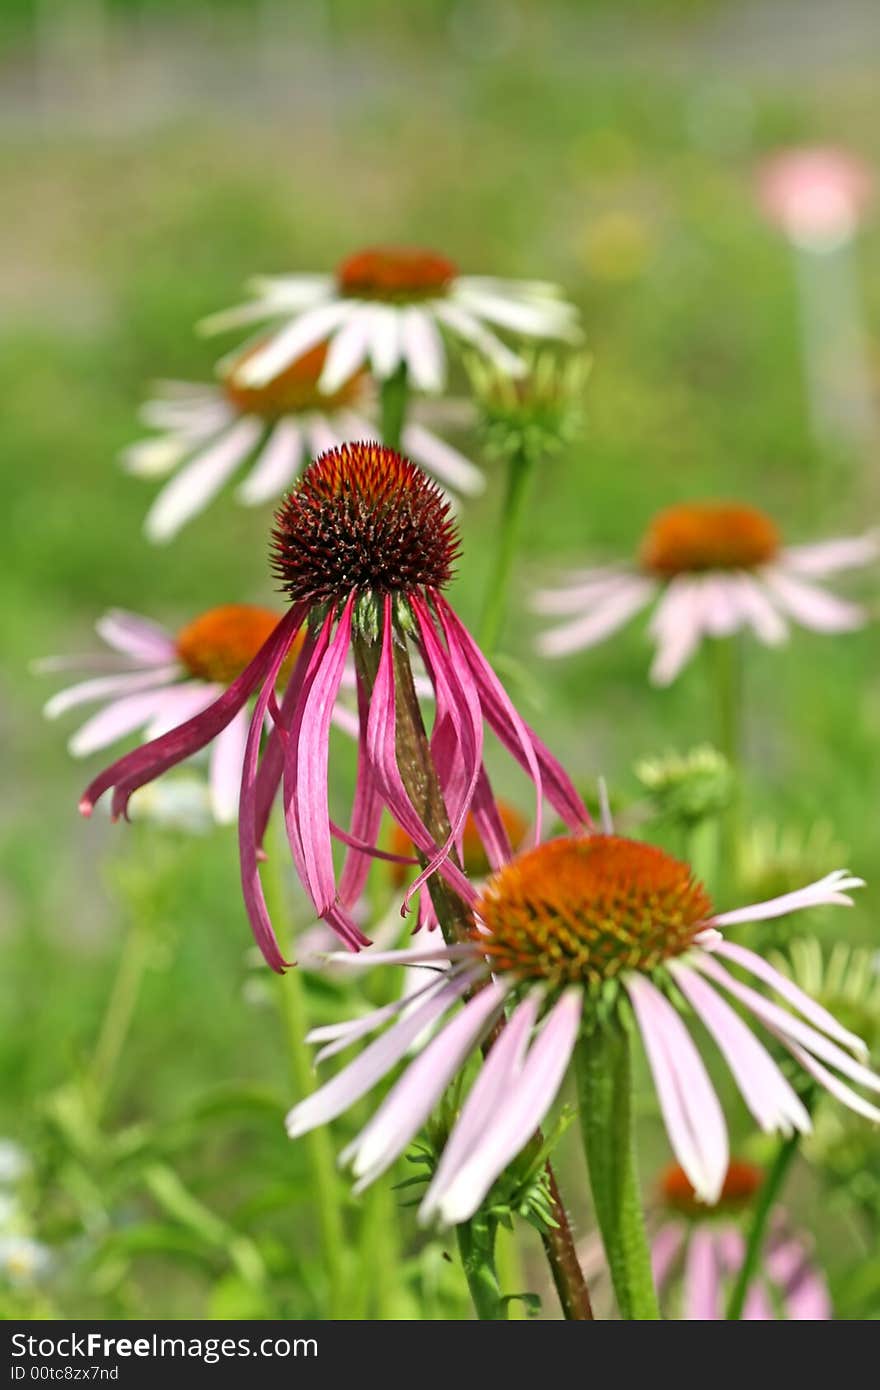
x=275, y=467
x=291, y=342
x=466, y=326
x=190, y=491
x=610, y=613
x=385, y=341
x=447, y=464
x=423, y=350
x=347, y=352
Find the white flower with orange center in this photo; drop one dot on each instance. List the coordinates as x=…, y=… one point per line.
x=713, y=568
x=574, y=934
x=391, y=307
x=152, y=680
x=208, y=433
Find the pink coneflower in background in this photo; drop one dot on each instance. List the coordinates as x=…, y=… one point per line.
x=817, y=198
x=576, y=929
x=697, y=1252
x=816, y=194
x=390, y=306
x=713, y=568
x=152, y=679
x=210, y=432
x=363, y=546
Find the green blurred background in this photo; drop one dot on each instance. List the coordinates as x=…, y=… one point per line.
x=153, y=156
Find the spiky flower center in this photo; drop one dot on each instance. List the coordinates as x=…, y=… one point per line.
x=395, y=273
x=294, y=391
x=219, y=644
x=740, y=1185
x=581, y=910
x=698, y=536
x=362, y=519
x=473, y=857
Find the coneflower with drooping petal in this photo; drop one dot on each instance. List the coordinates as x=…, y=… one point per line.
x=697, y=1251
x=209, y=432
x=153, y=679
x=363, y=546
x=390, y=306
x=567, y=934
x=713, y=568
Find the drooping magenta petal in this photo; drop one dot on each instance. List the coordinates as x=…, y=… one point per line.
x=272, y=760
x=150, y=761
x=462, y=716
x=382, y=750
x=306, y=793
x=252, y=888
x=366, y=813
x=521, y=742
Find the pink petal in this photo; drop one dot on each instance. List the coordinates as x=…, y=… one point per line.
x=665, y=1250
x=702, y=1285
x=606, y=615
x=828, y=557
x=361, y=1075
x=116, y=720
x=137, y=637
x=768, y=1095
x=694, y=1121
x=790, y=992
x=811, y=606
x=102, y=687
x=677, y=626
x=227, y=761
x=518, y=1096
x=149, y=762
x=825, y=891
x=409, y=1104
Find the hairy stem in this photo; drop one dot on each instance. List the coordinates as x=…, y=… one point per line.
x=423, y=788
x=604, y=1080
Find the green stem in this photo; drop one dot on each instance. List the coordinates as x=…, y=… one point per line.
x=727, y=682
x=519, y=475
x=476, y=1245
x=767, y=1195
x=119, y=1013
x=318, y=1148
x=393, y=400
x=604, y=1081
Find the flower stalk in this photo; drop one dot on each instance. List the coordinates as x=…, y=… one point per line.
x=766, y=1199
x=393, y=401
x=520, y=468
x=423, y=788
x=604, y=1081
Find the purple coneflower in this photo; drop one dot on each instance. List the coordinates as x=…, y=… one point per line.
x=697, y=1252
x=363, y=546
x=572, y=934
x=153, y=679
x=816, y=194
x=390, y=306
x=713, y=568
x=210, y=432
